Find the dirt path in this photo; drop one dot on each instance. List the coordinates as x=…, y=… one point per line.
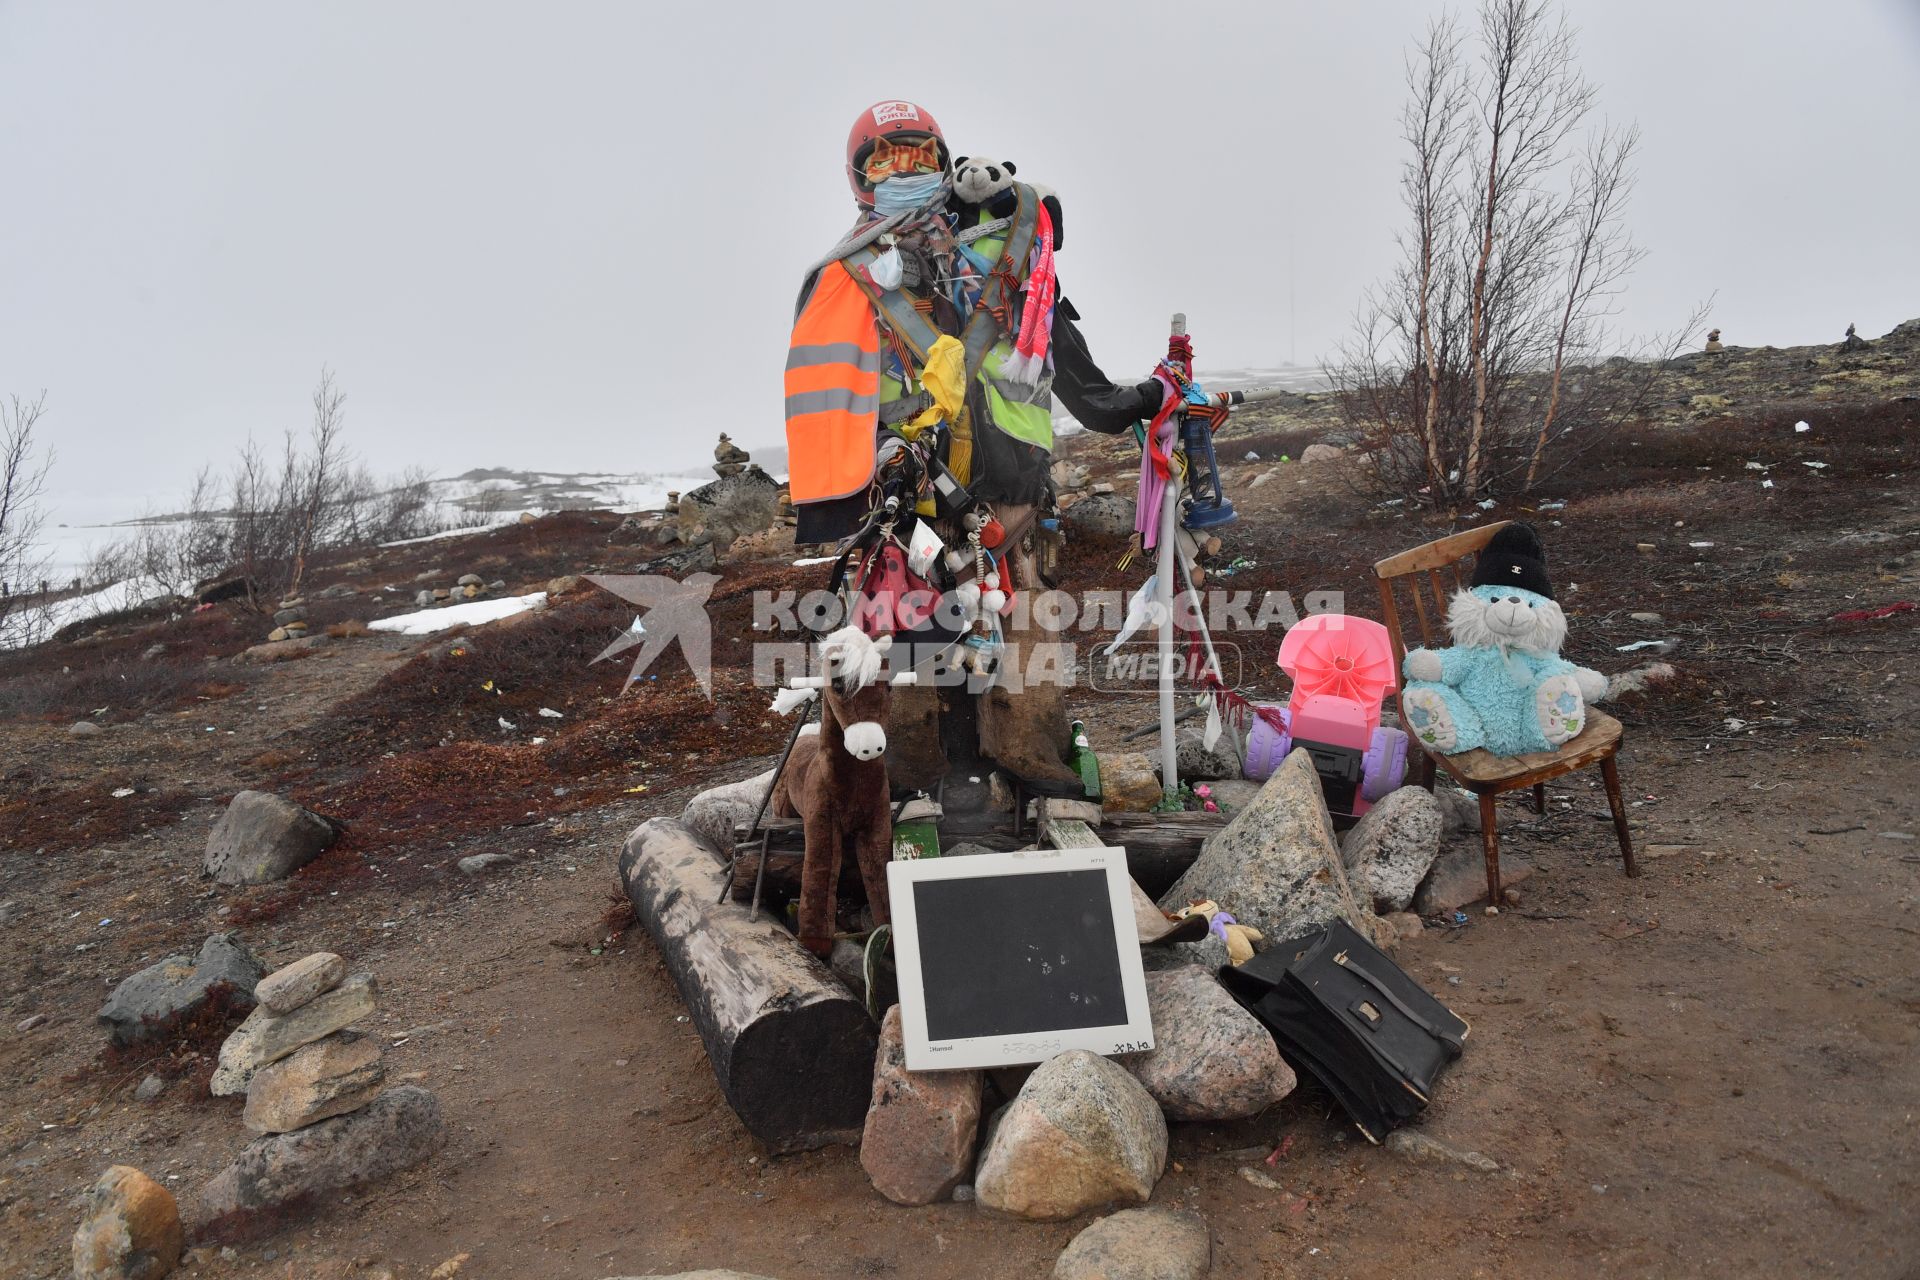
x=1707, y=1071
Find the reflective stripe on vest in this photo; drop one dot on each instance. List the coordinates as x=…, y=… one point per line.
x=832, y=391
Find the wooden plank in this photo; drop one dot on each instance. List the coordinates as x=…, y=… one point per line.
x=1439, y=552
x=1068, y=833
x=1483, y=771
x=1390, y=609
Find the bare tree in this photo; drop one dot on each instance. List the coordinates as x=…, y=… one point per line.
x=1458, y=374
x=179, y=550
x=281, y=510
x=23, y=473
x=1597, y=265
x=1431, y=123
x=318, y=477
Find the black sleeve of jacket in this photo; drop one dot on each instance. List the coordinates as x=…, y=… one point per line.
x=1098, y=405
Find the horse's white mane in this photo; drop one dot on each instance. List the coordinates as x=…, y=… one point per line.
x=853, y=659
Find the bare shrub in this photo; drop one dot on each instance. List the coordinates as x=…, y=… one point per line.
x=1476, y=369
x=23, y=473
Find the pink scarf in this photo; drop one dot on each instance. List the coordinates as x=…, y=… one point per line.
x=1029, y=360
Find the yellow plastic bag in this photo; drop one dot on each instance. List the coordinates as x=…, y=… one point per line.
x=945, y=378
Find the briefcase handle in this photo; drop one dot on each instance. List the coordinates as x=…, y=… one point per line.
x=1359, y=971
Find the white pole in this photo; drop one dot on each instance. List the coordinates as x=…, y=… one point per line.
x=1169, y=512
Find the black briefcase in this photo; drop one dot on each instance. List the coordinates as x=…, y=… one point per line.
x=1341, y=1011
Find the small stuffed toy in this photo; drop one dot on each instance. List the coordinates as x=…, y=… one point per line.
x=1503, y=685
x=986, y=185
x=1238, y=937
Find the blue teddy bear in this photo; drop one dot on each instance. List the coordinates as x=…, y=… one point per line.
x=1503, y=685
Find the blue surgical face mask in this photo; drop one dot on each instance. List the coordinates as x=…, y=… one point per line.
x=900, y=194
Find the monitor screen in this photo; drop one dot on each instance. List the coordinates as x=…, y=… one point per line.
x=1018, y=954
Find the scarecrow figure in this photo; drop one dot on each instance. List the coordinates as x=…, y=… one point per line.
x=932, y=340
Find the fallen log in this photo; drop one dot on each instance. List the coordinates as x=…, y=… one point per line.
x=791, y=1047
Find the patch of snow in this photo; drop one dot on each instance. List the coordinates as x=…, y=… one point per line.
x=474, y=612
x=35, y=623
x=441, y=536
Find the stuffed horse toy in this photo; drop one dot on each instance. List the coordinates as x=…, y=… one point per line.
x=1503, y=685
x=835, y=781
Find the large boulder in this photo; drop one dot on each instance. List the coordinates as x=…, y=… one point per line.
x=1128, y=782
x=1234, y=794
x=714, y=813
x=1388, y=851
x=730, y=508
x=1211, y=1060
x=332, y=1076
x=1275, y=866
x=918, y=1142
x=262, y=838
x=265, y=1037
x=1140, y=1244
x=1198, y=762
x=130, y=1229
x=277, y=1175
x=1104, y=515
x=1082, y=1133
x=151, y=1002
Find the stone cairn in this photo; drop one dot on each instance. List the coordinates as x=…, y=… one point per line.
x=1713, y=341
x=294, y=1056
x=729, y=459
x=289, y=620
x=314, y=1102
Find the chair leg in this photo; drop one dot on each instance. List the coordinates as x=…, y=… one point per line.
x=1610, y=772
x=1539, y=797
x=1490, y=841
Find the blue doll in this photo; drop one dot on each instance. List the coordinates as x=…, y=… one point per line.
x=1503, y=685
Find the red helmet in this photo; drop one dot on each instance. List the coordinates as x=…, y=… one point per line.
x=895, y=121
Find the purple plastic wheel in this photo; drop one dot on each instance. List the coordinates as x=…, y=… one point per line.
x=1384, y=767
x=1267, y=746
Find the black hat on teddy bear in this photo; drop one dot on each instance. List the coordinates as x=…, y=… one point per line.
x=1515, y=557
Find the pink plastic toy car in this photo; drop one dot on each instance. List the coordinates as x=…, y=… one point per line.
x=1342, y=669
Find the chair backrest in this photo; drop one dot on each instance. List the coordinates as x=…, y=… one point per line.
x=1420, y=567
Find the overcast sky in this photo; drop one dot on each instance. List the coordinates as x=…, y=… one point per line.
x=568, y=236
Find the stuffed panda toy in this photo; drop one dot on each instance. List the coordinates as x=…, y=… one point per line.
x=985, y=186
x=1503, y=685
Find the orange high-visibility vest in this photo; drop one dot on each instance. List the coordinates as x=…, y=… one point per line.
x=833, y=391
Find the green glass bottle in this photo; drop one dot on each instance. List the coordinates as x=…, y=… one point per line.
x=1084, y=762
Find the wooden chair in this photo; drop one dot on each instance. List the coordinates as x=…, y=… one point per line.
x=1487, y=776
